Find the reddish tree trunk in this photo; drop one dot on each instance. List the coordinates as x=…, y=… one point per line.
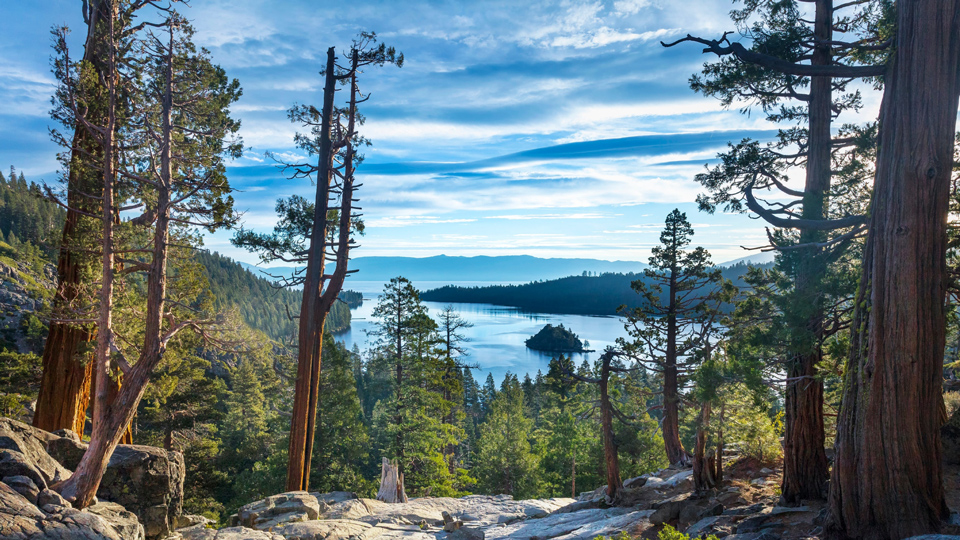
x=312, y=319
x=65, y=384
x=804, y=457
x=317, y=299
x=887, y=478
x=610, y=457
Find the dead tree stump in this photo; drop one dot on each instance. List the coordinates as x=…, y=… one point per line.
x=391, y=484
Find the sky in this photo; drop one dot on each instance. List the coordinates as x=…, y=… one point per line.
x=548, y=128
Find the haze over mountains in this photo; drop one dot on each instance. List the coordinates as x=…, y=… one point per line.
x=484, y=268
x=480, y=268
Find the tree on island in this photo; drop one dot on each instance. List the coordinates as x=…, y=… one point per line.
x=669, y=336
x=555, y=339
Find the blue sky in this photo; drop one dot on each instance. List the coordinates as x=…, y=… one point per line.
x=555, y=129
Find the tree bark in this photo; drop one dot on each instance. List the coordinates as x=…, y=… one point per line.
x=317, y=299
x=887, y=479
x=391, y=484
x=311, y=318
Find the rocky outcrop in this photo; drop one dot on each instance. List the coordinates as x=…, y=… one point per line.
x=147, y=481
x=23, y=452
x=141, y=490
x=289, y=507
x=22, y=520
x=23, y=291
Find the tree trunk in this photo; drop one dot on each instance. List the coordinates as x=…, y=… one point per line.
x=671, y=399
x=112, y=417
x=65, y=384
x=804, y=457
x=81, y=487
x=887, y=478
x=610, y=457
x=391, y=484
x=704, y=463
x=312, y=318
x=115, y=381
x=573, y=476
x=718, y=471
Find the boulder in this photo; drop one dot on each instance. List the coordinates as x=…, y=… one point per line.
x=199, y=532
x=124, y=521
x=324, y=529
x=693, y=513
x=335, y=497
x=583, y=525
x=678, y=479
x=466, y=533
x=744, y=510
x=147, y=481
x=24, y=486
x=279, y=509
x=189, y=520
x=16, y=464
x=669, y=509
x=635, y=482
x=21, y=520
x=66, y=447
x=702, y=528
x=26, y=444
x=51, y=498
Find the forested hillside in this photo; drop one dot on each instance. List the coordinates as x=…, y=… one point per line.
x=582, y=295
x=26, y=217
x=262, y=305
x=31, y=225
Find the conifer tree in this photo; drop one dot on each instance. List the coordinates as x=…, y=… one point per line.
x=887, y=478
x=176, y=171
x=311, y=233
x=797, y=69
x=678, y=317
x=505, y=460
x=342, y=443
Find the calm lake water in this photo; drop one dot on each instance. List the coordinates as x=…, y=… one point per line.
x=496, y=340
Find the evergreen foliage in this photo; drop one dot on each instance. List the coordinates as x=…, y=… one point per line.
x=580, y=295
x=555, y=339
x=27, y=217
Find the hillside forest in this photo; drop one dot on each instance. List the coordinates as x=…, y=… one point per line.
x=835, y=363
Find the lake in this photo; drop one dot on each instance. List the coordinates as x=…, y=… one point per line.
x=496, y=340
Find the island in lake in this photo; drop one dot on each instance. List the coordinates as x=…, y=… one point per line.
x=552, y=338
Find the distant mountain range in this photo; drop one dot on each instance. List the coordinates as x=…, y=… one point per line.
x=481, y=268
x=757, y=259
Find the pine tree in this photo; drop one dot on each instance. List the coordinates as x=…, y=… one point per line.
x=505, y=460
x=342, y=444
x=678, y=319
